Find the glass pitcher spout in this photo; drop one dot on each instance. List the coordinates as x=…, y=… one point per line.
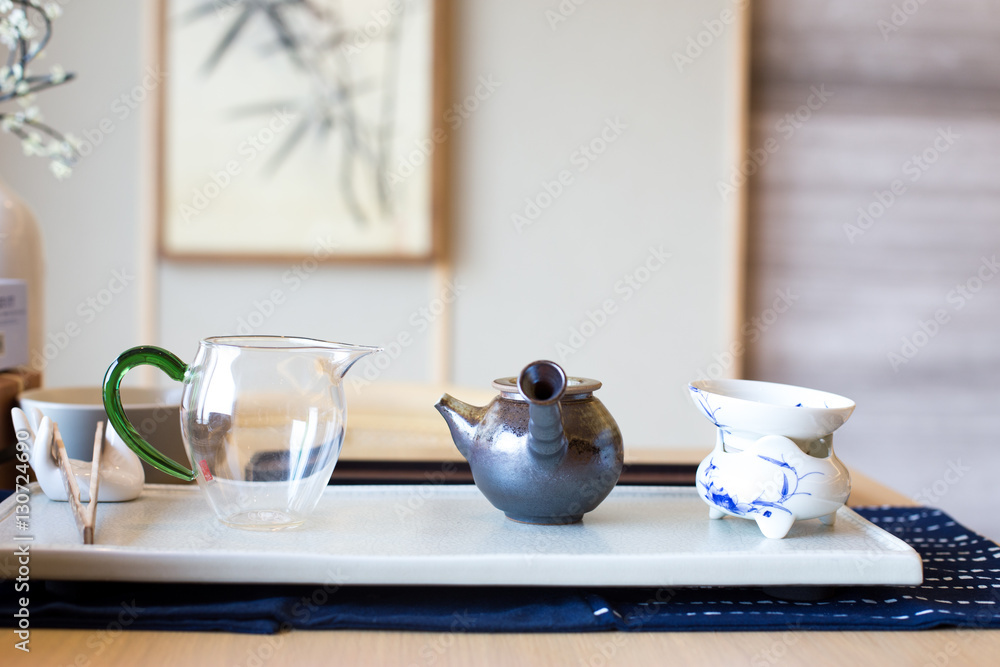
x=344, y=355
x=336, y=357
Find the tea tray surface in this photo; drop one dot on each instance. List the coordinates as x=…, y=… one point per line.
x=450, y=535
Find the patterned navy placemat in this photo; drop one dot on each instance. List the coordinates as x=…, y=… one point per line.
x=961, y=588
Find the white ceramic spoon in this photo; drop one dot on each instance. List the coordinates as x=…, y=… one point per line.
x=121, y=472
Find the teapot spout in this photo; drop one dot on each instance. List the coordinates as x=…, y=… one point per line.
x=462, y=418
x=542, y=384
x=342, y=356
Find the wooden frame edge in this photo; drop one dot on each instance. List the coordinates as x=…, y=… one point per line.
x=440, y=205
x=150, y=181
x=740, y=210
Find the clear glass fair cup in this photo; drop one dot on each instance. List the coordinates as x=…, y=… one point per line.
x=262, y=418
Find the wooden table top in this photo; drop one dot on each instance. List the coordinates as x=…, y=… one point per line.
x=427, y=649
x=349, y=647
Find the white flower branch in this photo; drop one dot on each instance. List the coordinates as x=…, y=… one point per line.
x=25, y=42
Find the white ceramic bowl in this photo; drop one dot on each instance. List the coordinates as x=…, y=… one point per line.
x=154, y=412
x=769, y=408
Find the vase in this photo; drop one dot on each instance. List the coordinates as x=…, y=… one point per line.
x=21, y=259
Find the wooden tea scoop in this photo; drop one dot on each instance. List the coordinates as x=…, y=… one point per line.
x=86, y=518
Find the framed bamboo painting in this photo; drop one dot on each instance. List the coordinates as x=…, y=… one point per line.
x=302, y=128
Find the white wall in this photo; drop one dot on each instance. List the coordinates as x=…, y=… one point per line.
x=926, y=422
x=522, y=292
x=654, y=186
x=90, y=222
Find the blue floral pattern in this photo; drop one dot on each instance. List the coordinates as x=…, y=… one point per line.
x=717, y=495
x=703, y=402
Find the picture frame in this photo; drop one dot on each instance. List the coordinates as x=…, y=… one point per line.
x=321, y=139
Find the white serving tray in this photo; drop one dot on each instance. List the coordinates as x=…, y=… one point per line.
x=451, y=535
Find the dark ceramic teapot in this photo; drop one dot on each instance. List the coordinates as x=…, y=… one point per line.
x=544, y=451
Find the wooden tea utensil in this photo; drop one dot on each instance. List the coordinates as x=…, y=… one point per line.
x=86, y=517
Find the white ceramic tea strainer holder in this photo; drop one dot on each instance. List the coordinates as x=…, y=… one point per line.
x=773, y=460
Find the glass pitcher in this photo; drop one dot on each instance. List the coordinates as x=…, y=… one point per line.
x=262, y=418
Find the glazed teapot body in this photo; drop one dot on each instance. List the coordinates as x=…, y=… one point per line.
x=545, y=451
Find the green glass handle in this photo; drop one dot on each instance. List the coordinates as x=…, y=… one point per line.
x=126, y=361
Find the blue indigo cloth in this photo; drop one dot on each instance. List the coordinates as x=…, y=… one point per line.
x=961, y=588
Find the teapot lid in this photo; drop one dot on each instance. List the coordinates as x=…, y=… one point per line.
x=575, y=387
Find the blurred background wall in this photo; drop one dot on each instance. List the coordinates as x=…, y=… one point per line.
x=558, y=79
x=888, y=106
x=880, y=212
x=647, y=203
